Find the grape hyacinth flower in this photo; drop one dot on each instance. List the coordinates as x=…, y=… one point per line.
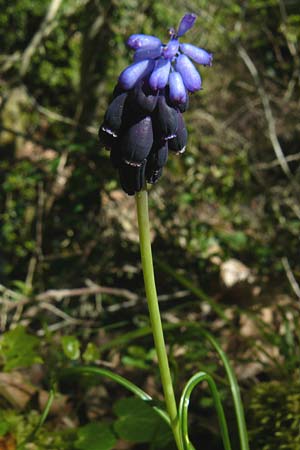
x=144, y=120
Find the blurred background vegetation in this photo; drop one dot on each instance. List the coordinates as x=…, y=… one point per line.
x=225, y=217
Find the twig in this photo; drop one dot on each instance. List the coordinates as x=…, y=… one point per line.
x=18, y=314
x=38, y=254
x=39, y=220
x=132, y=303
x=57, y=295
x=268, y=112
x=61, y=293
x=52, y=115
x=10, y=294
x=63, y=173
x=7, y=61
x=3, y=317
x=43, y=31
x=289, y=273
x=13, y=299
x=59, y=313
x=275, y=162
x=31, y=271
x=29, y=137
x=62, y=324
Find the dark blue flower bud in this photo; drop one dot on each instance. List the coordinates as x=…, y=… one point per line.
x=178, y=143
x=171, y=49
x=136, y=41
x=153, y=175
x=147, y=53
x=188, y=71
x=132, y=176
x=197, y=54
x=160, y=75
x=133, y=73
x=166, y=119
x=115, y=154
x=114, y=115
x=117, y=91
x=156, y=161
x=137, y=141
x=159, y=154
x=106, y=139
x=144, y=96
x=186, y=24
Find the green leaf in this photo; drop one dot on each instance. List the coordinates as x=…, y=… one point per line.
x=91, y=353
x=236, y=240
x=22, y=287
x=138, y=422
x=71, y=347
x=95, y=436
x=19, y=349
x=133, y=362
x=4, y=427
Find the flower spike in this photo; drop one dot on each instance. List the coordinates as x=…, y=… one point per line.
x=144, y=120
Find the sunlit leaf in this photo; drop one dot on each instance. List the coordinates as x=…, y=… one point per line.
x=95, y=436
x=71, y=347
x=19, y=349
x=91, y=353
x=138, y=422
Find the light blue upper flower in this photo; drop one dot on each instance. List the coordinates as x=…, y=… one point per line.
x=166, y=64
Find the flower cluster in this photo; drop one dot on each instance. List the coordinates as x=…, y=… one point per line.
x=144, y=120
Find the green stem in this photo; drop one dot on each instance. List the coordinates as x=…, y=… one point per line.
x=184, y=405
x=41, y=421
x=89, y=370
x=155, y=319
x=235, y=391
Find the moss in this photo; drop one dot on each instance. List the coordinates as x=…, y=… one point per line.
x=21, y=426
x=274, y=416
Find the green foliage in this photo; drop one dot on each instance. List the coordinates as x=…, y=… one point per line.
x=236, y=241
x=274, y=416
x=4, y=425
x=95, y=436
x=19, y=349
x=16, y=15
x=139, y=357
x=71, y=347
x=18, y=215
x=91, y=353
x=138, y=422
x=21, y=426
